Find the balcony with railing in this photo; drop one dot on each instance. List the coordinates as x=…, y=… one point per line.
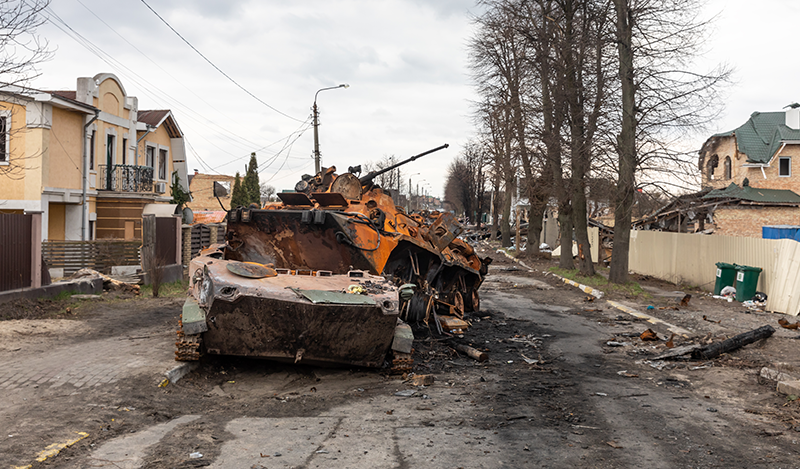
x=125, y=178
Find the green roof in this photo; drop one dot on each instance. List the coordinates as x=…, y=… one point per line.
x=761, y=136
x=755, y=194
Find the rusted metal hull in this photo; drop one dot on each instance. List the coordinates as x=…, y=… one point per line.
x=298, y=316
x=288, y=330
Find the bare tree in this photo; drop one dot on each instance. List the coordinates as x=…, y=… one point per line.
x=661, y=97
x=267, y=193
x=391, y=180
x=21, y=50
x=465, y=186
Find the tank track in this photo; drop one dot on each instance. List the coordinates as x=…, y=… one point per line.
x=187, y=347
x=402, y=363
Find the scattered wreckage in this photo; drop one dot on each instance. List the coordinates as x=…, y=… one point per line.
x=333, y=273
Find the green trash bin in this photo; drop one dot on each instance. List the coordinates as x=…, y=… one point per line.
x=726, y=274
x=746, y=282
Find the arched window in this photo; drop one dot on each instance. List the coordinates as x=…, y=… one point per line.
x=712, y=165
x=727, y=167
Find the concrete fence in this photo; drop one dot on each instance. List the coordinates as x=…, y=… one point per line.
x=691, y=259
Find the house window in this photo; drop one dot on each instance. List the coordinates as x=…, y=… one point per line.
x=4, y=139
x=124, y=151
x=727, y=167
x=110, y=150
x=150, y=156
x=91, y=149
x=162, y=164
x=712, y=165
x=785, y=166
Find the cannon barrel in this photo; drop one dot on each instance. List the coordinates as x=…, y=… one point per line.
x=367, y=178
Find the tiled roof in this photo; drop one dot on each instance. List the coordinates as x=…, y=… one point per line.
x=761, y=136
x=64, y=94
x=153, y=118
x=209, y=216
x=161, y=117
x=755, y=194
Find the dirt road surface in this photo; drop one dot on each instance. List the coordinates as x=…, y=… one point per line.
x=552, y=394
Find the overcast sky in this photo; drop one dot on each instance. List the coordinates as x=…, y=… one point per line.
x=405, y=62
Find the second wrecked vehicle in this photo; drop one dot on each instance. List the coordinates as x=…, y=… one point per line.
x=331, y=273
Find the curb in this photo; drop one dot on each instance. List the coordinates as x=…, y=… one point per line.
x=671, y=327
x=599, y=294
x=175, y=374
x=592, y=291
x=514, y=259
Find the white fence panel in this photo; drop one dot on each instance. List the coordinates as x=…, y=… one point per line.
x=691, y=258
x=784, y=293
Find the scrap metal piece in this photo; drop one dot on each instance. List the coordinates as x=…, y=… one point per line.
x=473, y=353
x=328, y=297
x=718, y=348
x=251, y=270
x=649, y=334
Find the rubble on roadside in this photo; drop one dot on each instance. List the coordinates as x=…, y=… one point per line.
x=109, y=284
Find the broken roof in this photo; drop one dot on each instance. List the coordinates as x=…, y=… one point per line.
x=755, y=194
x=761, y=136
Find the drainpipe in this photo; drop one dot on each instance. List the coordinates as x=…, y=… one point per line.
x=85, y=213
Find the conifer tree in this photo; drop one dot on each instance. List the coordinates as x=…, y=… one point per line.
x=238, y=196
x=250, y=184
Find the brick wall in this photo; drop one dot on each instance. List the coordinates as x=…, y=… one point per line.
x=725, y=148
x=201, y=188
x=747, y=221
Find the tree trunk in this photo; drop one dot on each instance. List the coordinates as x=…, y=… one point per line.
x=495, y=210
x=505, y=224
x=538, y=200
x=565, y=227
x=585, y=261
x=626, y=147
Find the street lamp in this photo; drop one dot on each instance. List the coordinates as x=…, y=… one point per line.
x=316, y=124
x=410, y=191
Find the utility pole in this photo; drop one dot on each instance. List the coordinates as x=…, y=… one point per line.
x=315, y=111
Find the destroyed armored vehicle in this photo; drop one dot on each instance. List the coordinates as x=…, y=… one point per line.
x=332, y=273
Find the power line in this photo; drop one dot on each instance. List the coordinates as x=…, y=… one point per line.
x=151, y=89
x=108, y=58
x=217, y=68
x=159, y=66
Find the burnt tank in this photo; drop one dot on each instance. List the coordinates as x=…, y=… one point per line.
x=332, y=273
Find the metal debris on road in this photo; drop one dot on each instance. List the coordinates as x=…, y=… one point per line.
x=787, y=325
x=614, y=343
x=473, y=353
x=718, y=348
x=421, y=380
x=648, y=335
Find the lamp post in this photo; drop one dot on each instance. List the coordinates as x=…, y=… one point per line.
x=316, y=125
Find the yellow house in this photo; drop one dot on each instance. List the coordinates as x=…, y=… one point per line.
x=88, y=159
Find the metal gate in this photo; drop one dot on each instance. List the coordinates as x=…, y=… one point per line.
x=15, y=251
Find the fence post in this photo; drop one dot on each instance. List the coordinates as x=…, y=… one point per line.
x=36, y=249
x=187, y=244
x=148, y=241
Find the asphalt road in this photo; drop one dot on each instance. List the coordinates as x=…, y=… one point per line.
x=551, y=395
